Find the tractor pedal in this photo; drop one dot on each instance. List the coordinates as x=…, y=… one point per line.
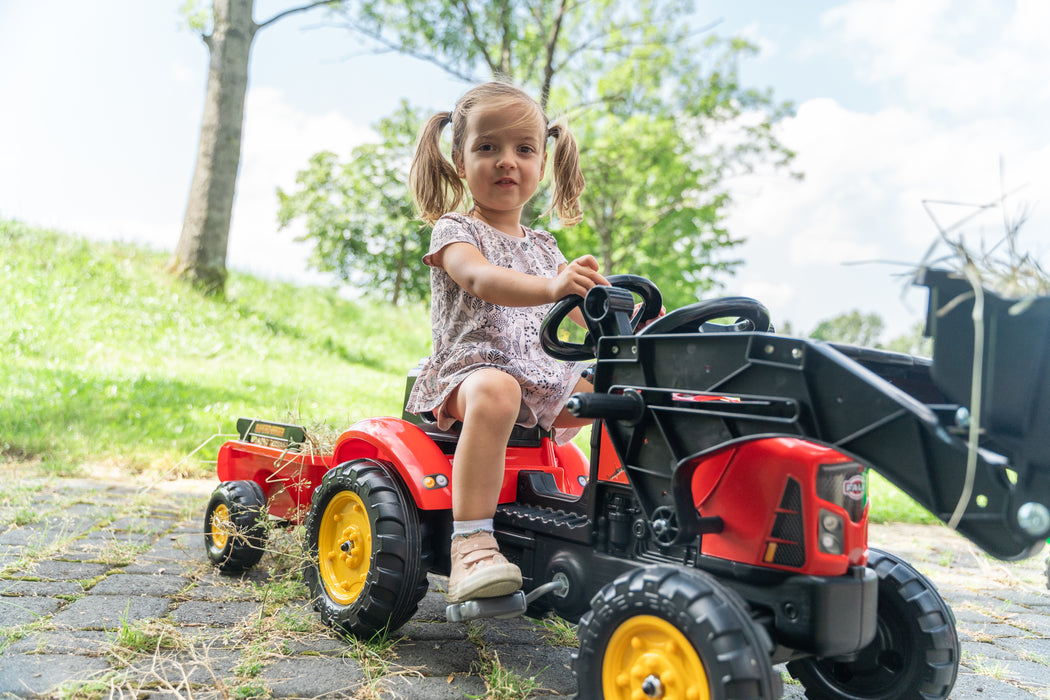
x=512, y=605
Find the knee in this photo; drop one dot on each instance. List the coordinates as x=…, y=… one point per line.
x=494, y=396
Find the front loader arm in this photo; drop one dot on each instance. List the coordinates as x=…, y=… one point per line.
x=886, y=410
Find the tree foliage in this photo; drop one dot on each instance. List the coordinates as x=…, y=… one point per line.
x=851, y=327
x=656, y=104
x=360, y=216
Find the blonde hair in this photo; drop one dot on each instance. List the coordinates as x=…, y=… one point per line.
x=435, y=182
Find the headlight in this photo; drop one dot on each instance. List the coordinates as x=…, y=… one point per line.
x=830, y=536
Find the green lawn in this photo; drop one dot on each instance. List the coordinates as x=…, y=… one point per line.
x=109, y=361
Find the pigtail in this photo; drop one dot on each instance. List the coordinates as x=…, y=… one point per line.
x=568, y=179
x=435, y=184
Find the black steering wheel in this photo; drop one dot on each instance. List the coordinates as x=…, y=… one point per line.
x=554, y=346
x=750, y=315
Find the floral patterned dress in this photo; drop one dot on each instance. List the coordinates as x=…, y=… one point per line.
x=470, y=333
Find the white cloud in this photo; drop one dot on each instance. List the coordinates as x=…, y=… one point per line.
x=278, y=142
x=977, y=56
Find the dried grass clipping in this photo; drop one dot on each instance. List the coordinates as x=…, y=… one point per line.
x=1002, y=268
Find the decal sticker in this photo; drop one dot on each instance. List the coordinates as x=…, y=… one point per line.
x=853, y=487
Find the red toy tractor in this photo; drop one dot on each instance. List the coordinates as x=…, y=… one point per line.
x=720, y=524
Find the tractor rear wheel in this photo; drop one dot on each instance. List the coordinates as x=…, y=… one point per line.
x=666, y=632
x=234, y=526
x=368, y=550
x=915, y=653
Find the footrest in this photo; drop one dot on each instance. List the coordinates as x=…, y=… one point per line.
x=512, y=605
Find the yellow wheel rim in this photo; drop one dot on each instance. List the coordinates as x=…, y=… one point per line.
x=647, y=657
x=221, y=527
x=344, y=547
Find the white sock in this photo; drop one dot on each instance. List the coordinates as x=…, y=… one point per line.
x=462, y=528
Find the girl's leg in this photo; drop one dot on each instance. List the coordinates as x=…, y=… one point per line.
x=487, y=403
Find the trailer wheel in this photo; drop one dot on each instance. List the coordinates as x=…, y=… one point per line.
x=662, y=631
x=915, y=653
x=369, y=551
x=234, y=526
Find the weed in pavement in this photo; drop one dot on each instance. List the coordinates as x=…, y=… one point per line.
x=558, y=632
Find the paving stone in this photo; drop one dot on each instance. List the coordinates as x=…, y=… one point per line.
x=200, y=667
x=219, y=589
x=972, y=685
x=140, y=584
x=313, y=676
x=1002, y=610
x=22, y=610
x=152, y=526
x=18, y=587
x=415, y=687
x=422, y=631
x=109, y=612
x=982, y=630
x=214, y=613
x=23, y=675
x=53, y=570
x=104, y=538
x=513, y=631
x=61, y=642
x=25, y=536
x=977, y=654
x=160, y=567
x=1032, y=649
x=438, y=658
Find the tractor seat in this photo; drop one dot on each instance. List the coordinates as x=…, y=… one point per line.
x=447, y=439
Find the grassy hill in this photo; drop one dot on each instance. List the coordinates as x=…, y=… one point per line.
x=107, y=360
x=111, y=365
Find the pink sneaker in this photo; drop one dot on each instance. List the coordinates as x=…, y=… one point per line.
x=479, y=570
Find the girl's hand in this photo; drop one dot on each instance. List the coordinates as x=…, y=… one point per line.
x=643, y=324
x=576, y=277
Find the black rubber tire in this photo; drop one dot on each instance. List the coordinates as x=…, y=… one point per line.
x=915, y=653
x=733, y=649
x=399, y=557
x=239, y=546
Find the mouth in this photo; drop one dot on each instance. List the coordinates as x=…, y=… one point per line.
x=505, y=182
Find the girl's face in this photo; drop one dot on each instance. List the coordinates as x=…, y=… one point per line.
x=502, y=159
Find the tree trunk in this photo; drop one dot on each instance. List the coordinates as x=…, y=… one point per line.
x=200, y=255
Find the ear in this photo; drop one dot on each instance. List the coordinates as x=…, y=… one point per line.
x=457, y=158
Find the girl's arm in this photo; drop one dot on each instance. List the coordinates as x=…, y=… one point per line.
x=497, y=285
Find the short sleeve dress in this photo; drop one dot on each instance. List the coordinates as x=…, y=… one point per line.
x=469, y=333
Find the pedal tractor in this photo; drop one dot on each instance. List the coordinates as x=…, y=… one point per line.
x=720, y=525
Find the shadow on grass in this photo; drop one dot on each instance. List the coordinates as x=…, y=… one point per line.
x=321, y=342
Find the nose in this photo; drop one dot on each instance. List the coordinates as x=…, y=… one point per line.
x=506, y=159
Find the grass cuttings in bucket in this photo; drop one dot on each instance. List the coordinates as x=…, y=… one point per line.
x=1001, y=268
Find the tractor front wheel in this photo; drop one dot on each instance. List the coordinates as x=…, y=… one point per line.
x=915, y=653
x=666, y=632
x=368, y=550
x=234, y=526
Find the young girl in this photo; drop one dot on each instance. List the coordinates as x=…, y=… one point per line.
x=492, y=282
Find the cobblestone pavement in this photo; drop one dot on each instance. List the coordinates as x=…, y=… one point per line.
x=105, y=592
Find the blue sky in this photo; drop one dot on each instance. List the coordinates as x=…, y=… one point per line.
x=897, y=102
